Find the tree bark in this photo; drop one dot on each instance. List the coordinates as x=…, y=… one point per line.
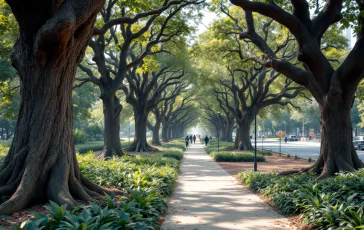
x=337, y=149
x=140, y=143
x=244, y=136
x=164, y=131
x=111, y=109
x=229, y=133
x=41, y=164
x=155, y=130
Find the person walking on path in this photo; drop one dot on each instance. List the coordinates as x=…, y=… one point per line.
x=191, y=138
x=187, y=140
x=285, y=140
x=194, y=139
x=206, y=140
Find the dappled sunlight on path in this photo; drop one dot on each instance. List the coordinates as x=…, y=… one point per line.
x=207, y=197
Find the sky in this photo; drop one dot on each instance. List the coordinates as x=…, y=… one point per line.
x=206, y=21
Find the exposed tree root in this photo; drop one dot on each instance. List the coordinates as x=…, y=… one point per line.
x=329, y=167
x=141, y=146
x=110, y=152
x=58, y=179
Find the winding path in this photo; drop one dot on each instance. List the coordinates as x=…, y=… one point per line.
x=207, y=197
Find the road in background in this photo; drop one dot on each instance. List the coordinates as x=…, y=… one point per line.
x=299, y=148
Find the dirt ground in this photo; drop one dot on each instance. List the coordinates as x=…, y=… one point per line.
x=19, y=217
x=276, y=163
x=272, y=163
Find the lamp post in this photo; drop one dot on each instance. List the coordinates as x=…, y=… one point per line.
x=255, y=143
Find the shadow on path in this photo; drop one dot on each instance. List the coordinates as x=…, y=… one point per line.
x=207, y=197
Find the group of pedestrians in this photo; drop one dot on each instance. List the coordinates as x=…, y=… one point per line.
x=189, y=139
x=192, y=139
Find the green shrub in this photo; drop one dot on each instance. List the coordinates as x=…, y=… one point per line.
x=235, y=157
x=80, y=136
x=129, y=172
x=176, y=154
x=159, y=160
x=175, y=144
x=94, y=132
x=334, y=203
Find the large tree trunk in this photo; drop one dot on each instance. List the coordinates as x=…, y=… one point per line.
x=155, y=130
x=244, y=136
x=169, y=133
x=337, y=150
x=242, y=139
x=229, y=133
x=140, y=143
x=112, y=109
x=41, y=164
x=164, y=132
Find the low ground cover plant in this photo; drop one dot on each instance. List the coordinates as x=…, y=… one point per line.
x=220, y=155
x=146, y=180
x=334, y=203
x=236, y=156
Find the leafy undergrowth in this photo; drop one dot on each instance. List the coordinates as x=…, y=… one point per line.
x=146, y=180
x=334, y=203
x=95, y=146
x=233, y=156
x=3, y=151
x=236, y=157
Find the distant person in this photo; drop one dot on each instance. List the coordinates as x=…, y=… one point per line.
x=210, y=138
x=285, y=140
x=206, y=140
x=191, y=138
x=194, y=139
x=187, y=140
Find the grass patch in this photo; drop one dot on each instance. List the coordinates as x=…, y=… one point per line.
x=334, y=203
x=236, y=157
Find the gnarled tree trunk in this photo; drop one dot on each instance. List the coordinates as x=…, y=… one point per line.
x=337, y=150
x=242, y=139
x=155, y=130
x=41, y=164
x=111, y=109
x=244, y=136
x=140, y=143
x=164, y=132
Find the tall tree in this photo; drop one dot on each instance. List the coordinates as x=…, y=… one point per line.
x=41, y=163
x=333, y=88
x=143, y=27
x=144, y=94
x=174, y=110
x=160, y=111
x=251, y=91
